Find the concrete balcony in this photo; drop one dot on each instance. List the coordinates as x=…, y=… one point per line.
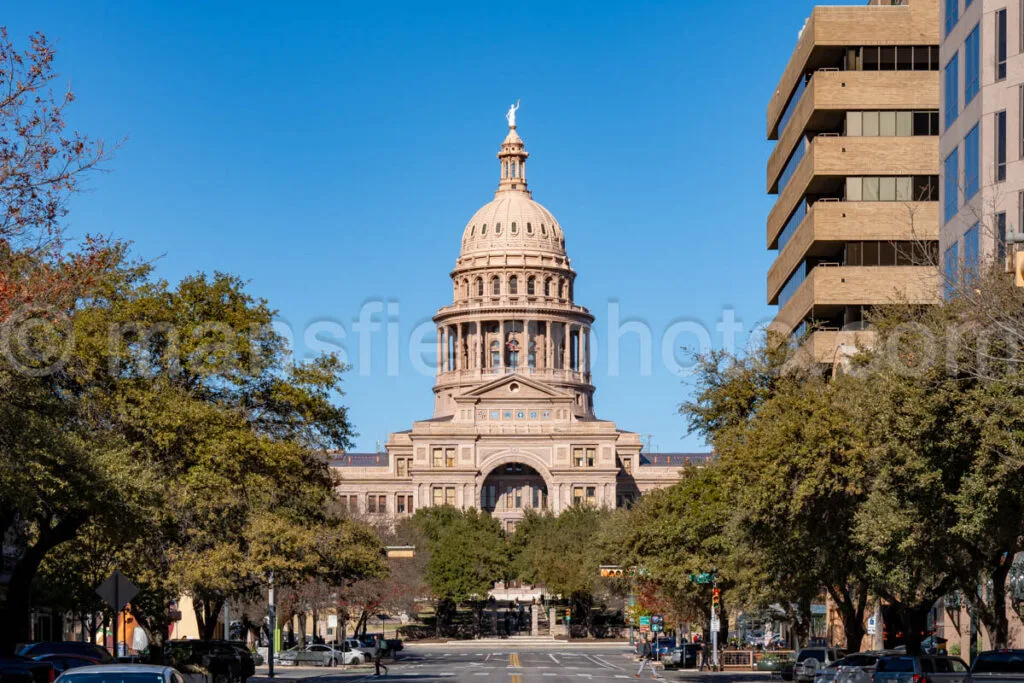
x=832, y=287
x=828, y=346
x=830, y=94
x=827, y=223
x=829, y=28
x=828, y=158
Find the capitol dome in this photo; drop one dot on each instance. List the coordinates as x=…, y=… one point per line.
x=512, y=221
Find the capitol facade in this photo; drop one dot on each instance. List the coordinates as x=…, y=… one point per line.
x=514, y=426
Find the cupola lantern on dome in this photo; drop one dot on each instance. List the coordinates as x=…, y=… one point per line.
x=512, y=156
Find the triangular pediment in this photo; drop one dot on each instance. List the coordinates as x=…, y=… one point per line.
x=519, y=387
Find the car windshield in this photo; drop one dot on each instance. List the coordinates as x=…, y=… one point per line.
x=858, y=660
x=112, y=677
x=896, y=664
x=811, y=654
x=999, y=662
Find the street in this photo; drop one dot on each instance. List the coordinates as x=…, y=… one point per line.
x=505, y=664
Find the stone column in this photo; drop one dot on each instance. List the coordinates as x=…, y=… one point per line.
x=444, y=348
x=534, y=620
x=552, y=613
x=480, y=346
x=566, y=341
x=440, y=346
x=459, y=362
x=549, y=347
x=501, y=345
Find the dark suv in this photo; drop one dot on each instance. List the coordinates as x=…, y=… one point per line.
x=67, y=647
x=919, y=669
x=228, y=661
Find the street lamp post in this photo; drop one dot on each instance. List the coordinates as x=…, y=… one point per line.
x=272, y=619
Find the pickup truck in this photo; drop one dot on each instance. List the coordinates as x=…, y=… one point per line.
x=998, y=666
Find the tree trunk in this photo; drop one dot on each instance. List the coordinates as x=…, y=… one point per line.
x=992, y=611
x=16, y=615
x=851, y=613
x=302, y=628
x=207, y=611
x=914, y=621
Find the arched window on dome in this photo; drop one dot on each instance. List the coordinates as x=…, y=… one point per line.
x=472, y=230
x=547, y=286
x=515, y=230
x=483, y=229
x=497, y=228
x=529, y=228
x=496, y=286
x=543, y=230
x=531, y=285
x=479, y=286
x=513, y=285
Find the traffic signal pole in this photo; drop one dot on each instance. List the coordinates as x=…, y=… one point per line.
x=715, y=604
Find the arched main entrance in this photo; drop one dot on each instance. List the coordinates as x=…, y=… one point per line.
x=509, y=490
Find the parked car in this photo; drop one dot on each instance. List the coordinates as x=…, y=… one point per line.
x=66, y=647
x=858, y=667
x=122, y=673
x=227, y=661
x=810, y=659
x=349, y=651
x=827, y=673
x=369, y=642
x=918, y=668
x=683, y=657
x=17, y=669
x=62, y=663
x=1004, y=666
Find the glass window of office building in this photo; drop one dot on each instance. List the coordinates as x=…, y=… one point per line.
x=951, y=266
x=972, y=64
x=952, y=104
x=971, y=253
x=971, y=162
x=950, y=185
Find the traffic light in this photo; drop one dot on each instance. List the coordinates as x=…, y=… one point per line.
x=611, y=572
x=716, y=598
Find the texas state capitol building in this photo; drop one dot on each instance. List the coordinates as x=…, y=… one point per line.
x=514, y=424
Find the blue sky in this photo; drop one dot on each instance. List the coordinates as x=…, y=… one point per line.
x=331, y=154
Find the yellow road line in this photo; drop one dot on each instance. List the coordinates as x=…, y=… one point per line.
x=516, y=678
x=513, y=661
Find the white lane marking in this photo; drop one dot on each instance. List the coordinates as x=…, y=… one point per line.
x=601, y=657
x=553, y=658
x=621, y=676
x=550, y=673
x=484, y=673
x=585, y=675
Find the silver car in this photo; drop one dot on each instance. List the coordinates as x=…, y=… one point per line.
x=810, y=659
x=858, y=667
x=121, y=673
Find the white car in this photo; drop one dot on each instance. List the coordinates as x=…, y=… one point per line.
x=121, y=673
x=325, y=654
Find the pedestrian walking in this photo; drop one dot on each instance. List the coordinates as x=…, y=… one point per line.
x=645, y=659
x=705, y=656
x=378, y=655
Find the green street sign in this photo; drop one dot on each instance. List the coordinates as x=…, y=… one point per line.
x=645, y=621
x=703, y=578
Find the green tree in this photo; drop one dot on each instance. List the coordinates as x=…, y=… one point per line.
x=468, y=554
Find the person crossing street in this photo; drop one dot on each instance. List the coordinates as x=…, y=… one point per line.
x=378, y=654
x=646, y=658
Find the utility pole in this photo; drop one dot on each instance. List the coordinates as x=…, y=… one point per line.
x=272, y=619
x=715, y=623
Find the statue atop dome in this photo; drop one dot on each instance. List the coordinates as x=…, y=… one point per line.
x=511, y=115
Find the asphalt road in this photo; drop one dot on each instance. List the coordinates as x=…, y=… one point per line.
x=504, y=664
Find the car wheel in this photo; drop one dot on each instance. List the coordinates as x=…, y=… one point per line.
x=357, y=660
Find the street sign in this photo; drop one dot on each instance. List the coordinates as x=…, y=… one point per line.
x=117, y=591
x=703, y=578
x=645, y=621
x=872, y=626
x=716, y=624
